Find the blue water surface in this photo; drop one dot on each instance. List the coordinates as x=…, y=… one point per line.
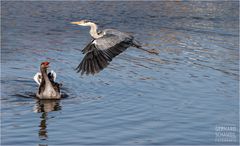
x=179, y=97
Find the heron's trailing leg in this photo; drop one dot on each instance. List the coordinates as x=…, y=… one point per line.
x=136, y=44
x=152, y=51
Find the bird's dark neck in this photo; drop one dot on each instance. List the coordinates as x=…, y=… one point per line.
x=45, y=76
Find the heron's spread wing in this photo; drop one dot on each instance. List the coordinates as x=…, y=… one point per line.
x=101, y=51
x=112, y=45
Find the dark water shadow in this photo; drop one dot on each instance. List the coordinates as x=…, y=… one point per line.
x=44, y=107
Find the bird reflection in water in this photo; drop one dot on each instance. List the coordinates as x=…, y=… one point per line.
x=45, y=106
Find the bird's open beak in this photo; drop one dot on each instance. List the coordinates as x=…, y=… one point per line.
x=77, y=22
x=47, y=64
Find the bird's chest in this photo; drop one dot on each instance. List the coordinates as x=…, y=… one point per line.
x=49, y=92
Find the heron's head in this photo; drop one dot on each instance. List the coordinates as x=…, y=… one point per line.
x=82, y=23
x=45, y=64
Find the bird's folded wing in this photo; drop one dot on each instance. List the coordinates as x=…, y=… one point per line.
x=38, y=78
x=52, y=76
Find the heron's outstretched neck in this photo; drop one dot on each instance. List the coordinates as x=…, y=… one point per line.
x=93, y=31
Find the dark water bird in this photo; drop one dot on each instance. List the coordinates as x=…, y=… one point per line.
x=48, y=88
x=104, y=46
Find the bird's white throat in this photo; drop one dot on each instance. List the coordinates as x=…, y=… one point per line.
x=93, y=30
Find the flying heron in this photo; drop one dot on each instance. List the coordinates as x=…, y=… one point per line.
x=104, y=46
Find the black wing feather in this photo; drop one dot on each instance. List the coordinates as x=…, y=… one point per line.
x=101, y=51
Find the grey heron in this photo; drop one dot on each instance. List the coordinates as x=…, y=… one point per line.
x=104, y=46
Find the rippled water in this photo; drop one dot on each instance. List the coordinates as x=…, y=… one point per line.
x=180, y=96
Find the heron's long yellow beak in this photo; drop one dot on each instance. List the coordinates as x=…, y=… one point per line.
x=77, y=22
